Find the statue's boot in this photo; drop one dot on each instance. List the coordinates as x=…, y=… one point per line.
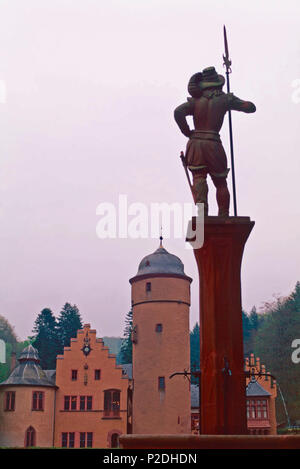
x=200, y=190
x=223, y=196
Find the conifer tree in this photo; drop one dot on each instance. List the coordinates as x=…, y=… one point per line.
x=125, y=354
x=69, y=322
x=45, y=338
x=246, y=330
x=254, y=319
x=195, y=351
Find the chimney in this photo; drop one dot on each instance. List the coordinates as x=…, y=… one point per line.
x=12, y=361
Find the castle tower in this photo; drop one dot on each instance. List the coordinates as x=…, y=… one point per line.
x=27, y=404
x=161, y=347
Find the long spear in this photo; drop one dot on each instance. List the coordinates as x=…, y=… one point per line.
x=227, y=63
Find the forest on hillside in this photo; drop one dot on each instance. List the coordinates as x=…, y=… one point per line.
x=270, y=334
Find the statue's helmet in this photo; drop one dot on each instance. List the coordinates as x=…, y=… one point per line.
x=200, y=81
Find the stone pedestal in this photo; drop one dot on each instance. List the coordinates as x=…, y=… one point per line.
x=223, y=387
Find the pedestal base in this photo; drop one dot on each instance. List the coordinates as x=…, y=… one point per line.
x=223, y=386
x=210, y=442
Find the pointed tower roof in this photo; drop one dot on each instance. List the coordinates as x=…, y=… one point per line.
x=29, y=372
x=29, y=354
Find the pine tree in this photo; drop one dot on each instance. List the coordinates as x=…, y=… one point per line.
x=195, y=351
x=246, y=333
x=294, y=299
x=254, y=319
x=251, y=324
x=125, y=355
x=46, y=339
x=69, y=322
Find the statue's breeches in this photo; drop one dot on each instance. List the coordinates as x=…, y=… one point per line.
x=205, y=150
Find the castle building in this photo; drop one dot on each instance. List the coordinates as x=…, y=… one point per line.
x=160, y=307
x=92, y=406
x=83, y=403
x=89, y=400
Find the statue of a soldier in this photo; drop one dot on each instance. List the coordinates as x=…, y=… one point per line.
x=205, y=153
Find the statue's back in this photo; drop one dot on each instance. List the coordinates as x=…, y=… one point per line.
x=209, y=112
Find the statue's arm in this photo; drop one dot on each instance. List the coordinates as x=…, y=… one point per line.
x=180, y=113
x=237, y=104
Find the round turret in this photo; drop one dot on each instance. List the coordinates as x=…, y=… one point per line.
x=160, y=306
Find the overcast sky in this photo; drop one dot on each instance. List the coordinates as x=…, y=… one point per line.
x=87, y=93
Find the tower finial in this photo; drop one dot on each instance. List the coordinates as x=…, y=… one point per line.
x=161, y=238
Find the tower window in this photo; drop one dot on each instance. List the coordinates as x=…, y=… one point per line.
x=158, y=328
x=37, y=400
x=148, y=286
x=10, y=399
x=97, y=375
x=74, y=375
x=161, y=383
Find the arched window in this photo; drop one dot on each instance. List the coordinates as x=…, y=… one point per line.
x=112, y=403
x=30, y=437
x=114, y=440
